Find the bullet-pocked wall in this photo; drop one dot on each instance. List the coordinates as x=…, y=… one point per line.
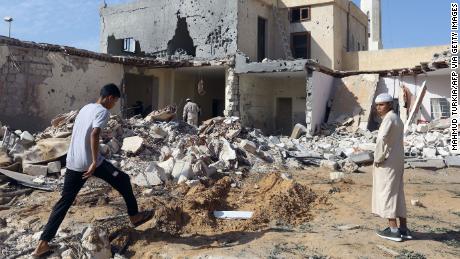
x=204, y=29
x=36, y=85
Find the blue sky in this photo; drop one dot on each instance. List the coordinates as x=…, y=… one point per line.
x=406, y=23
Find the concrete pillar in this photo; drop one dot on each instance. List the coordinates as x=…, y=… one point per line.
x=309, y=101
x=232, y=93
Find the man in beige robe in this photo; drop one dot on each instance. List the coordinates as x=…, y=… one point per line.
x=388, y=199
x=191, y=112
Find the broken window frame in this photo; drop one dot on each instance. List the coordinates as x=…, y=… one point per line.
x=307, y=44
x=300, y=9
x=129, y=45
x=443, y=106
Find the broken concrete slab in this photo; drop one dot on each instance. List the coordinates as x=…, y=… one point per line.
x=182, y=168
x=35, y=170
x=429, y=152
x=425, y=163
x=54, y=167
x=167, y=166
x=452, y=161
x=25, y=180
x=227, y=153
x=132, y=144
x=361, y=158
x=27, y=138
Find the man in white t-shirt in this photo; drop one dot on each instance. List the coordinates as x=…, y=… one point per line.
x=84, y=161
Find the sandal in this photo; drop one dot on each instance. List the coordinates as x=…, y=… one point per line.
x=146, y=216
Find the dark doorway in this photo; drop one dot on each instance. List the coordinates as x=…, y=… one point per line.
x=284, y=115
x=261, y=38
x=218, y=106
x=141, y=94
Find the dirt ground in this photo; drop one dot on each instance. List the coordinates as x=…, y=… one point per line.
x=299, y=218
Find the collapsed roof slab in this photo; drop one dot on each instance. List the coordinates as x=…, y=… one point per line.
x=243, y=67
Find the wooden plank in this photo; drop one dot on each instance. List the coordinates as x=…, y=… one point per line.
x=415, y=108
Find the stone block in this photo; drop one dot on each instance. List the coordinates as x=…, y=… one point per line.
x=429, y=153
x=54, y=167
x=298, y=131
x=35, y=170
x=328, y=164
x=249, y=146
x=360, y=158
x=132, y=144
x=182, y=168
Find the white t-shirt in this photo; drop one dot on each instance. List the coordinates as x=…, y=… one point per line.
x=79, y=155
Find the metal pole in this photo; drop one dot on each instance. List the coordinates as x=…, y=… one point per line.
x=9, y=30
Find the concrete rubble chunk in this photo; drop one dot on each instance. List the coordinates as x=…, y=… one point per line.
x=328, y=164
x=158, y=133
x=334, y=176
x=348, y=166
x=249, y=146
x=227, y=153
x=96, y=243
x=298, y=131
x=360, y=158
x=132, y=144
x=27, y=138
x=152, y=176
x=167, y=166
x=429, y=152
x=182, y=179
x=453, y=161
x=54, y=167
x=422, y=128
x=182, y=168
x=114, y=146
x=192, y=183
x=35, y=170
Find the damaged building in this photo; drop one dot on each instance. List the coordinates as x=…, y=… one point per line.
x=273, y=63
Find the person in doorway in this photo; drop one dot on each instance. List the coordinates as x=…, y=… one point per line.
x=84, y=161
x=191, y=112
x=388, y=200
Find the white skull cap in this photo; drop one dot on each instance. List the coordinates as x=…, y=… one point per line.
x=384, y=98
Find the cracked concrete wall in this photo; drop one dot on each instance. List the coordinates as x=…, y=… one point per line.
x=36, y=85
x=211, y=24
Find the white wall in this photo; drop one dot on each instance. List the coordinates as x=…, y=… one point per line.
x=322, y=88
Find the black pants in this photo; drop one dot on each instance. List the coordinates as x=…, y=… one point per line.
x=73, y=182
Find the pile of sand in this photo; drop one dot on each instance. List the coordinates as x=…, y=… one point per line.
x=271, y=199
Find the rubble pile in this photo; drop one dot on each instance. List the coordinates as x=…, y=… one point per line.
x=157, y=150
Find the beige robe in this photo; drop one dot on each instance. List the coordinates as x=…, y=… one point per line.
x=388, y=200
x=190, y=115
